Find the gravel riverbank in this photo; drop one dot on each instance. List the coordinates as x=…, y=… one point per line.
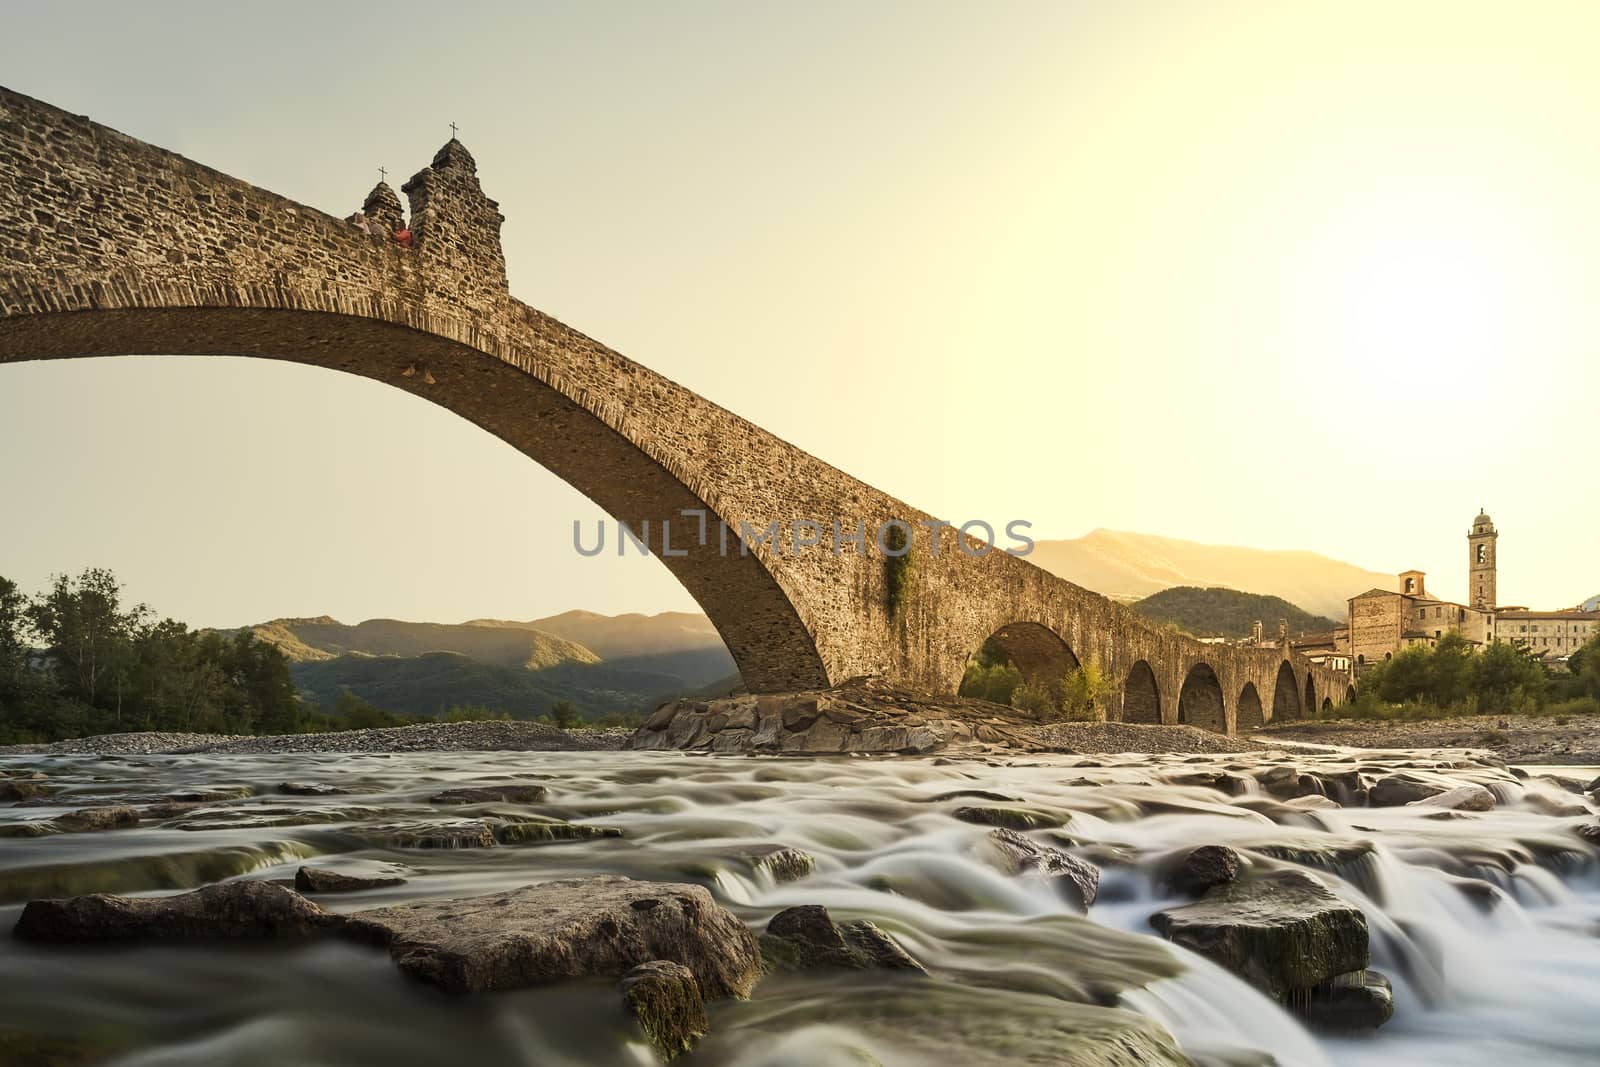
x=494, y=736
x=1514, y=738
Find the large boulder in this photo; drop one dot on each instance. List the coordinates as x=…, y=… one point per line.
x=805, y=937
x=217, y=912
x=666, y=1000
x=1283, y=932
x=578, y=927
x=1075, y=880
x=1203, y=869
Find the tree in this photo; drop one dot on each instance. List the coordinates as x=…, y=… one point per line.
x=1450, y=670
x=1506, y=677
x=357, y=714
x=1404, y=678
x=88, y=637
x=14, y=669
x=565, y=714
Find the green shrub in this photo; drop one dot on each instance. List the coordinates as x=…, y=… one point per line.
x=1085, y=693
x=1037, y=699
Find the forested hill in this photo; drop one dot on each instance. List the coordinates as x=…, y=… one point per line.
x=1227, y=612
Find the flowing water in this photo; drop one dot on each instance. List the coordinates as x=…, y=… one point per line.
x=1486, y=924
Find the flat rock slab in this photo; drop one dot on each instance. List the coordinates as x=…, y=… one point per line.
x=510, y=793
x=572, y=928
x=1281, y=932
x=231, y=910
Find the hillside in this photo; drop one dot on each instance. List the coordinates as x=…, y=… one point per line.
x=1227, y=612
x=1130, y=566
x=673, y=642
x=433, y=683
x=423, y=668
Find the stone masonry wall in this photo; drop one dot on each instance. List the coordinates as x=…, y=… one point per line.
x=111, y=246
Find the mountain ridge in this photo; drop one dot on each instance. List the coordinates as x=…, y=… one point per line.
x=1129, y=566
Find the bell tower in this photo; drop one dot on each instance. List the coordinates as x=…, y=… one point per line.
x=1481, y=562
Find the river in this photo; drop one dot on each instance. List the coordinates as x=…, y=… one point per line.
x=1487, y=924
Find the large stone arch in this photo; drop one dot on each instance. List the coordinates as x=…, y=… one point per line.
x=1285, y=694
x=1249, y=715
x=1200, y=701
x=1141, y=695
x=109, y=246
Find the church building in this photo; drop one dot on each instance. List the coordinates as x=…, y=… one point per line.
x=1383, y=621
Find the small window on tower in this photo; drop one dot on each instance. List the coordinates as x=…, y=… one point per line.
x=1483, y=551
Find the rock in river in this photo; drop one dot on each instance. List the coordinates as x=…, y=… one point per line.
x=321, y=880
x=805, y=937
x=666, y=1000
x=1398, y=789
x=572, y=928
x=1074, y=879
x=1360, y=1000
x=217, y=912
x=1461, y=798
x=1282, y=932
x=510, y=793
x=1203, y=869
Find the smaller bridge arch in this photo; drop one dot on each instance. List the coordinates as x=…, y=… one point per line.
x=1285, y=694
x=1249, y=715
x=1310, y=706
x=1141, y=696
x=1200, y=701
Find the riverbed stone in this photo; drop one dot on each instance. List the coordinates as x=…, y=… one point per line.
x=1075, y=880
x=509, y=793
x=1360, y=1000
x=783, y=863
x=89, y=820
x=1203, y=869
x=322, y=880
x=665, y=998
x=310, y=789
x=570, y=928
x=805, y=937
x=14, y=789
x=1282, y=932
x=457, y=833
x=1398, y=789
x=229, y=910
x=1010, y=818
x=1461, y=798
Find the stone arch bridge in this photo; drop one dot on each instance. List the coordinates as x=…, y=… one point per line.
x=111, y=246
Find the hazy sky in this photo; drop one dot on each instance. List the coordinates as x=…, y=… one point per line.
x=1286, y=275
